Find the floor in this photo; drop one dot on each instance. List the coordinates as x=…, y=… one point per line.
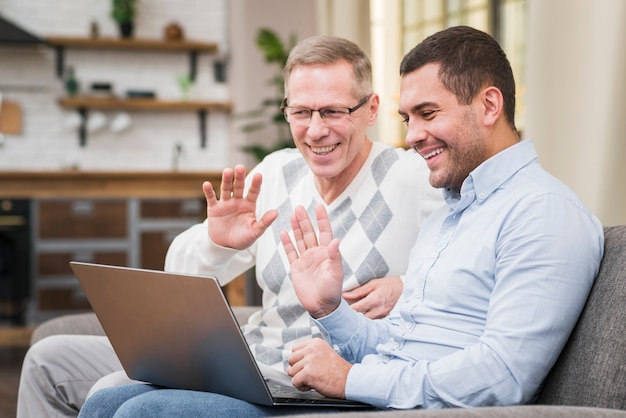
x=14, y=341
x=10, y=366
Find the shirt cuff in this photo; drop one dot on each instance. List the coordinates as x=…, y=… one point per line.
x=341, y=324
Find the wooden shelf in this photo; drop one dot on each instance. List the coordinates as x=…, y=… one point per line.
x=105, y=184
x=132, y=43
x=83, y=104
x=191, y=47
x=139, y=104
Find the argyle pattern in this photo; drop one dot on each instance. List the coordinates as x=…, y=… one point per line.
x=358, y=219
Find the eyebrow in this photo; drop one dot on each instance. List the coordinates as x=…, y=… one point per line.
x=416, y=108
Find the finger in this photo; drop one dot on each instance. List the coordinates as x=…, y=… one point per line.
x=376, y=313
x=209, y=193
x=267, y=219
x=297, y=233
x=358, y=293
x=239, y=181
x=309, y=237
x=290, y=249
x=323, y=223
x=226, y=188
x=255, y=187
x=361, y=307
x=333, y=249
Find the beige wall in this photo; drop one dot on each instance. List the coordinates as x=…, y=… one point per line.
x=248, y=71
x=576, y=107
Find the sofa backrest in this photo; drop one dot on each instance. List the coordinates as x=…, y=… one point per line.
x=591, y=370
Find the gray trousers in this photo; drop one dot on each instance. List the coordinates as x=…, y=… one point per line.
x=58, y=372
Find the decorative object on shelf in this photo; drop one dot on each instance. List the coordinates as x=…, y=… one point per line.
x=275, y=52
x=173, y=32
x=71, y=84
x=123, y=12
x=73, y=120
x=185, y=83
x=101, y=89
x=94, y=30
x=84, y=105
x=120, y=122
x=140, y=94
x=96, y=121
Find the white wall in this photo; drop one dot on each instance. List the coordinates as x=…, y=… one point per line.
x=28, y=76
x=249, y=73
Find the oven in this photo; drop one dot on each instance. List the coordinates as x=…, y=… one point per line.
x=15, y=260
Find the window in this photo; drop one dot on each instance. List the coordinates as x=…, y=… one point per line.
x=417, y=19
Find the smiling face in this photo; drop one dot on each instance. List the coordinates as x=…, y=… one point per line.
x=334, y=150
x=448, y=135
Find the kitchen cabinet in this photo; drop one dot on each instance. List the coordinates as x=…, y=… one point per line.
x=134, y=232
x=117, y=218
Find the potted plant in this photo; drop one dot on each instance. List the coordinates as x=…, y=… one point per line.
x=123, y=12
x=275, y=52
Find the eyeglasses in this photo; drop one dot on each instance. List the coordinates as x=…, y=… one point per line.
x=302, y=115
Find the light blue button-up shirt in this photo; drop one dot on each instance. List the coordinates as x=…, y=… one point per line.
x=494, y=286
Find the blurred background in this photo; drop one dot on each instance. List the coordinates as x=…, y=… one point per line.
x=569, y=58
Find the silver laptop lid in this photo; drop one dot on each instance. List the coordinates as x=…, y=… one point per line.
x=173, y=330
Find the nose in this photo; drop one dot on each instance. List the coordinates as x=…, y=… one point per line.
x=318, y=128
x=415, y=133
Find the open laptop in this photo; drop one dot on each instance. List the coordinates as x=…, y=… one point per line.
x=178, y=331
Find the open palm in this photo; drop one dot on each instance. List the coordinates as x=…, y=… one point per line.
x=232, y=219
x=316, y=270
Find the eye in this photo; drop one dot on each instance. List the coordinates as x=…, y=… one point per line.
x=333, y=112
x=428, y=114
x=300, y=112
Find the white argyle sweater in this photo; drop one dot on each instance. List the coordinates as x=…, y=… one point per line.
x=377, y=219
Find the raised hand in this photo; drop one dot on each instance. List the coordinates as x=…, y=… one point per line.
x=232, y=218
x=316, y=270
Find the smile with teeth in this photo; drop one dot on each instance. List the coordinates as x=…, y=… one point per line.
x=323, y=150
x=432, y=154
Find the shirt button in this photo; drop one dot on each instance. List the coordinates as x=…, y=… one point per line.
x=481, y=196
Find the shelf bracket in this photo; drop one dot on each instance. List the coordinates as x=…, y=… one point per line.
x=82, y=128
x=193, y=64
x=202, y=114
x=60, y=58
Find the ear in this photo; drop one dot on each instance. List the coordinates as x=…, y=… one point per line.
x=372, y=108
x=493, y=104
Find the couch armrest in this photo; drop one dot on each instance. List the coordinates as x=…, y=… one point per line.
x=81, y=323
x=88, y=324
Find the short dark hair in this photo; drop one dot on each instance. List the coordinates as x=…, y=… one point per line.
x=470, y=59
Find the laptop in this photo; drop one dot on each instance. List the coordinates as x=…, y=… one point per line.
x=178, y=331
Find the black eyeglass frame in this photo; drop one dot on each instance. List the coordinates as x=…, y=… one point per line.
x=350, y=110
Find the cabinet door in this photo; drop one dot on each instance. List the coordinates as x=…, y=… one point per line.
x=82, y=219
x=160, y=221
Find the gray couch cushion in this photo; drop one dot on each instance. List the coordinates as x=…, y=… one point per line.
x=591, y=371
x=523, y=411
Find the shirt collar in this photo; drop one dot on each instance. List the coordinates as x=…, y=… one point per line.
x=492, y=173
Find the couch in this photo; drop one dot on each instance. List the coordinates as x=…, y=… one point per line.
x=588, y=380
